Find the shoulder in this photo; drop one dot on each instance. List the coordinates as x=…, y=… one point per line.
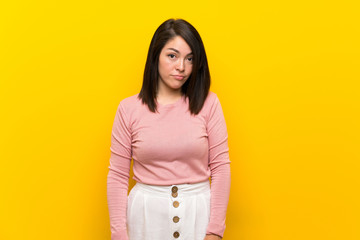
x=212, y=96
x=212, y=108
x=209, y=104
x=130, y=101
x=127, y=104
x=211, y=100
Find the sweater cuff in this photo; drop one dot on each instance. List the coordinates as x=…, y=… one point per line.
x=120, y=234
x=217, y=229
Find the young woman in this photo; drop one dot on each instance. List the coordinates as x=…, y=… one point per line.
x=175, y=132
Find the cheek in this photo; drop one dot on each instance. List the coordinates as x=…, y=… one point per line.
x=190, y=69
x=161, y=67
x=165, y=65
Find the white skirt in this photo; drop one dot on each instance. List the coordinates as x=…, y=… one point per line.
x=168, y=212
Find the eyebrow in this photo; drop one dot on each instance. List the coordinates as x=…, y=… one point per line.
x=178, y=51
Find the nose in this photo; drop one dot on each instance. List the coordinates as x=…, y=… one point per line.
x=180, y=65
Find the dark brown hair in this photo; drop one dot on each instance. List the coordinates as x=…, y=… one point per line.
x=197, y=86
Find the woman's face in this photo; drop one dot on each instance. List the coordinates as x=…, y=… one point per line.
x=175, y=64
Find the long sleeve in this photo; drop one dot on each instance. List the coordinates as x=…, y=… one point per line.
x=118, y=175
x=219, y=164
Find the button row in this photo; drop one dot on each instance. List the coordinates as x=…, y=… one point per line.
x=176, y=204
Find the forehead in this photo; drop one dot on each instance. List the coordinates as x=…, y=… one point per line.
x=179, y=44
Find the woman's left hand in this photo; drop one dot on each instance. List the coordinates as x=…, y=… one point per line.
x=212, y=237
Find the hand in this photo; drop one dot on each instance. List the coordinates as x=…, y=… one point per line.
x=212, y=237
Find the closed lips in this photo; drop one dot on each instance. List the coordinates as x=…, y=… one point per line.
x=179, y=77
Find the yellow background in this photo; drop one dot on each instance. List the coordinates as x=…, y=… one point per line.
x=287, y=76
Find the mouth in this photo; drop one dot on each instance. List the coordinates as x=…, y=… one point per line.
x=178, y=77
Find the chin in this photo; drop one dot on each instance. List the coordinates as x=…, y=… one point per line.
x=176, y=86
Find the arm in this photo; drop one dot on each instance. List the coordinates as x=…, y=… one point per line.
x=219, y=164
x=118, y=176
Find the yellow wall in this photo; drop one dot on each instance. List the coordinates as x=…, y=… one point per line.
x=286, y=73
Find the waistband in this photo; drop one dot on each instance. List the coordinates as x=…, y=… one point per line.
x=183, y=189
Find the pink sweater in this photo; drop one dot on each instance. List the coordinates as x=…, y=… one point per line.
x=170, y=147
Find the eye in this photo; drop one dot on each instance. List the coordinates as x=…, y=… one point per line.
x=171, y=56
x=190, y=59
